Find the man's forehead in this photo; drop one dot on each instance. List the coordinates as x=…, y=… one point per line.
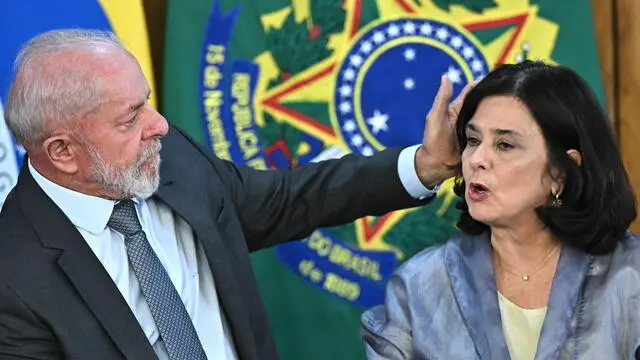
x=125, y=87
x=127, y=99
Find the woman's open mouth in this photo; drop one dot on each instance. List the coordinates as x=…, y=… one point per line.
x=477, y=191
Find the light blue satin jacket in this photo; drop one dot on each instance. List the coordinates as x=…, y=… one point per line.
x=443, y=304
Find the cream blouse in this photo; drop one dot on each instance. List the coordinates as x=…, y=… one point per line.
x=521, y=328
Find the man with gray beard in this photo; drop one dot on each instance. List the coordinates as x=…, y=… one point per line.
x=108, y=253
x=129, y=180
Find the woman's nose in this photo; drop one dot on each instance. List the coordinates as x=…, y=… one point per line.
x=478, y=159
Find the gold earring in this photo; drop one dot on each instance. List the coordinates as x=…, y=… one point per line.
x=556, y=202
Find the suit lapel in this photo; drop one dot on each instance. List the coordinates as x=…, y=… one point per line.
x=190, y=205
x=566, y=290
x=468, y=263
x=83, y=269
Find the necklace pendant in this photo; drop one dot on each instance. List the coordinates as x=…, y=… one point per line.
x=525, y=278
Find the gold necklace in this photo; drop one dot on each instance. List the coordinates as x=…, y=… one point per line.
x=528, y=275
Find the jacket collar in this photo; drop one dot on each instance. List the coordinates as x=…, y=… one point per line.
x=93, y=283
x=469, y=266
x=84, y=270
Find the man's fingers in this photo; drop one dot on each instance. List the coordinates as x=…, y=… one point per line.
x=456, y=105
x=460, y=98
x=441, y=102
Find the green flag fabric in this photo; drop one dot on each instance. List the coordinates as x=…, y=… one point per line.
x=281, y=83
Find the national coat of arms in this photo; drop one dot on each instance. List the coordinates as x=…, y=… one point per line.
x=355, y=76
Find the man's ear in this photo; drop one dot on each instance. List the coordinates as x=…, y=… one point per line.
x=62, y=151
x=575, y=156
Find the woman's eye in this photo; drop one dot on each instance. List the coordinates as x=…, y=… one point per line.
x=504, y=146
x=471, y=141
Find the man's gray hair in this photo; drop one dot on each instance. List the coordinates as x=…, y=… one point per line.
x=45, y=94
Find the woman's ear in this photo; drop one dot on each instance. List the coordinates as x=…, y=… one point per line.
x=558, y=184
x=575, y=156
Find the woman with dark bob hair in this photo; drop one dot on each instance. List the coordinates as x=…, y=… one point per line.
x=544, y=266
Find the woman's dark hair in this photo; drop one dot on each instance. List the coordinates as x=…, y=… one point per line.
x=598, y=202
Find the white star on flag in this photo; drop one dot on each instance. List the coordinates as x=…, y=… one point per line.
x=345, y=90
x=393, y=30
x=456, y=41
x=349, y=126
x=349, y=74
x=378, y=37
x=378, y=122
x=345, y=107
x=409, y=83
x=367, y=151
x=468, y=52
x=442, y=34
x=476, y=65
x=454, y=75
x=409, y=27
x=366, y=47
x=357, y=140
x=355, y=60
x=409, y=54
x=426, y=29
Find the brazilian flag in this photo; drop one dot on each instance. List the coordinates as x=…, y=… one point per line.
x=22, y=20
x=280, y=83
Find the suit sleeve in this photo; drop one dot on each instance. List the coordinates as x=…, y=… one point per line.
x=386, y=329
x=22, y=335
x=276, y=206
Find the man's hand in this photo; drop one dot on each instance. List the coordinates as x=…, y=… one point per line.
x=439, y=153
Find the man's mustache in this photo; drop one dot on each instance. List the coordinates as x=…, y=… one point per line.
x=151, y=151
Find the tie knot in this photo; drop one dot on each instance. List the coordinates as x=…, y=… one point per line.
x=124, y=219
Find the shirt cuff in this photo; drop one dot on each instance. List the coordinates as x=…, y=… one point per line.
x=409, y=175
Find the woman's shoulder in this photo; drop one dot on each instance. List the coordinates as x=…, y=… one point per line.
x=630, y=241
x=622, y=267
x=627, y=251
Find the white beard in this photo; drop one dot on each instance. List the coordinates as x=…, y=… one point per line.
x=131, y=181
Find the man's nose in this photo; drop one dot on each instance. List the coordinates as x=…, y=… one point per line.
x=157, y=126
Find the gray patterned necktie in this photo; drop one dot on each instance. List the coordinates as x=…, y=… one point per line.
x=171, y=317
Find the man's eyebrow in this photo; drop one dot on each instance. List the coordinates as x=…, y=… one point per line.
x=134, y=107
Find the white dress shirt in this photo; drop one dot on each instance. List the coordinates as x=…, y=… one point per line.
x=183, y=258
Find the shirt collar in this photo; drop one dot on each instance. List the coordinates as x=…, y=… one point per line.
x=87, y=212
